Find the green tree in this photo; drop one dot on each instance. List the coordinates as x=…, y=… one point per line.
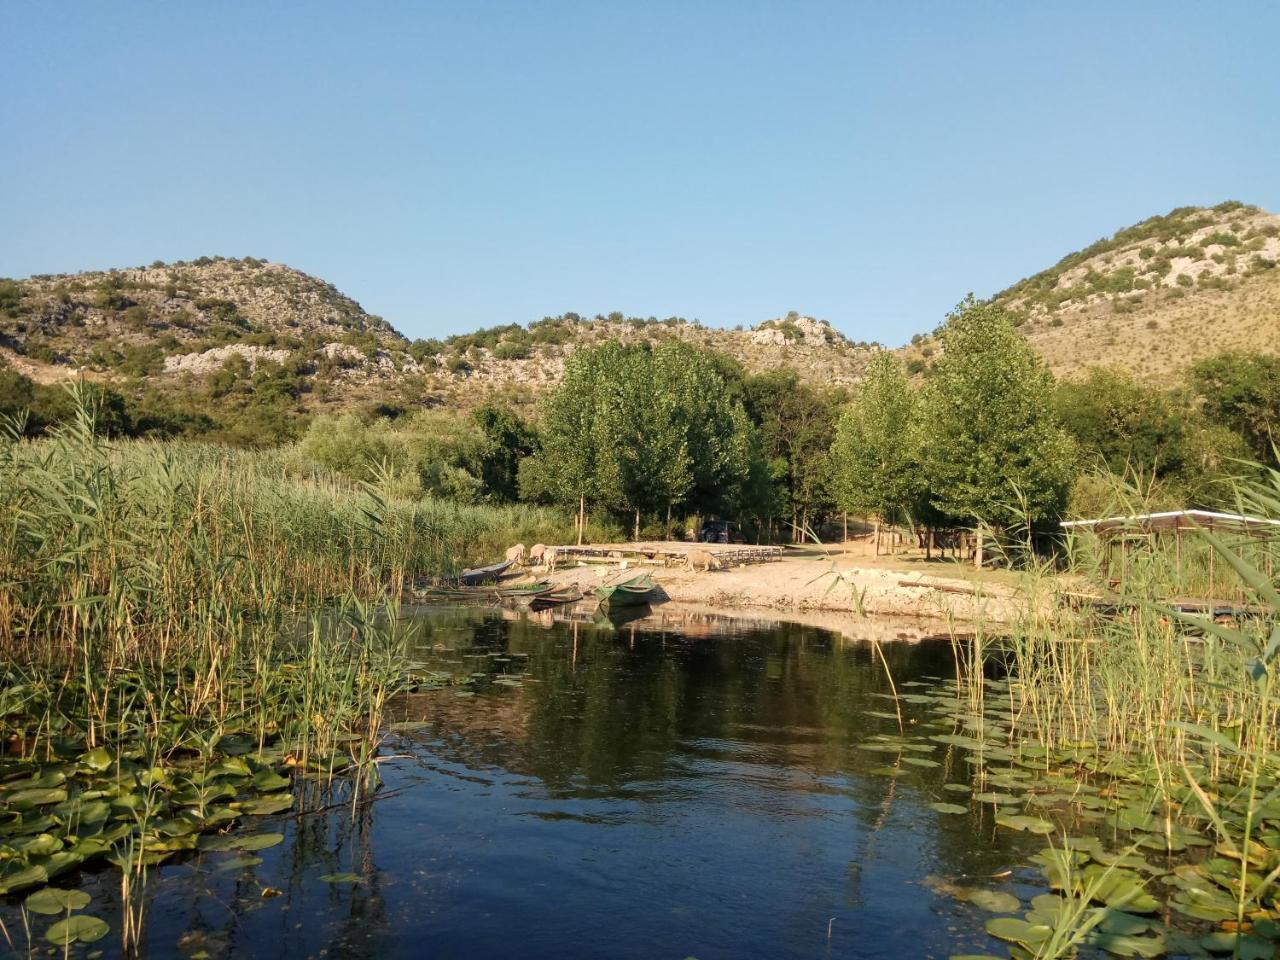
x=875, y=466
x=1241, y=390
x=578, y=464
x=1126, y=425
x=509, y=439
x=641, y=429
x=797, y=425
x=993, y=451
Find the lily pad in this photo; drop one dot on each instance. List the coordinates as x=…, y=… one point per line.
x=339, y=878
x=949, y=808
x=276, y=803
x=80, y=928
x=1019, y=931
x=994, y=901
x=51, y=901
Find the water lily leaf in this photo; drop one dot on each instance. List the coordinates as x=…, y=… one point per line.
x=41, y=845
x=1251, y=947
x=1018, y=931
x=36, y=797
x=236, y=744
x=1126, y=946
x=238, y=863
x=80, y=928
x=267, y=780
x=1025, y=824
x=339, y=878
x=17, y=876
x=949, y=808
x=257, y=841
x=995, y=798
x=995, y=901
x=51, y=901
x=276, y=803
x=1119, y=922
x=97, y=760
x=231, y=767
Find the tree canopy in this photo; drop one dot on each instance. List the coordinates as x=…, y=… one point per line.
x=875, y=463
x=643, y=429
x=993, y=450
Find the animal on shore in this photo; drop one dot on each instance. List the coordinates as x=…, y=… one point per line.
x=516, y=553
x=536, y=553
x=549, y=559
x=702, y=559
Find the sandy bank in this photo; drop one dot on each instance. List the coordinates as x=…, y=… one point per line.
x=811, y=581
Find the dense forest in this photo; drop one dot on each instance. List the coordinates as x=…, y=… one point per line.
x=654, y=436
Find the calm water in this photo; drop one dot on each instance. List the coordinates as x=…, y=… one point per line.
x=639, y=793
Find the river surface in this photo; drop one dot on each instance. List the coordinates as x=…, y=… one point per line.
x=622, y=791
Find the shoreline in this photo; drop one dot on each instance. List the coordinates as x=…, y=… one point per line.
x=803, y=581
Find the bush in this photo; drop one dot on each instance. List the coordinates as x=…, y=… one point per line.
x=1221, y=239
x=507, y=350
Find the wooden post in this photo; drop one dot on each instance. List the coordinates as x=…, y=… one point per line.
x=977, y=548
x=846, y=526
x=637, y=536
x=582, y=515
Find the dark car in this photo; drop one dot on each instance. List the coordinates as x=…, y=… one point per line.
x=717, y=531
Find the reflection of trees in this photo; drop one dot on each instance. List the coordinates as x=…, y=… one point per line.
x=640, y=708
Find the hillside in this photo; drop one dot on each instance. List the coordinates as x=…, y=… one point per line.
x=1154, y=297
x=172, y=327
x=221, y=334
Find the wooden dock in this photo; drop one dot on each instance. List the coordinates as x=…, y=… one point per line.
x=666, y=553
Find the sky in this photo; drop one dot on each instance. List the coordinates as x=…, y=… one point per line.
x=457, y=165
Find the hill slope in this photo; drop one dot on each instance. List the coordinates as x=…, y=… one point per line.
x=168, y=324
x=1157, y=296
x=1154, y=298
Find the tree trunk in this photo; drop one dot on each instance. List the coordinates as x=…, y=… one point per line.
x=877, y=536
x=637, y=536
x=928, y=543
x=846, y=526
x=666, y=531
x=582, y=516
x=977, y=548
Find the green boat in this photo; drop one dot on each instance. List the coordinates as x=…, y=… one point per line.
x=628, y=593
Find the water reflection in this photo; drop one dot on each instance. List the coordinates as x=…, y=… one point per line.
x=619, y=790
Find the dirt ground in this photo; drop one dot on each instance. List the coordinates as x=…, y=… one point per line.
x=842, y=578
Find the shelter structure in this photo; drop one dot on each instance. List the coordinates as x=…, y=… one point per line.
x=1120, y=534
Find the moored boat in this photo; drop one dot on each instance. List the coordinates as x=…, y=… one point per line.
x=625, y=593
x=556, y=596
x=479, y=575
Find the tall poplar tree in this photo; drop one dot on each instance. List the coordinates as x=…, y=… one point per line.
x=993, y=452
x=875, y=464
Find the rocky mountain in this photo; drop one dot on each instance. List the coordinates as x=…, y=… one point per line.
x=171, y=325
x=1154, y=297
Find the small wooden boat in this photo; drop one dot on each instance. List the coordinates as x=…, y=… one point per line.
x=628, y=593
x=479, y=575
x=556, y=597
x=495, y=591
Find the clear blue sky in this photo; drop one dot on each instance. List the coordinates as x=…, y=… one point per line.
x=464, y=164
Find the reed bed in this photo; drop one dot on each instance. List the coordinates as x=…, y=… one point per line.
x=1172, y=720
x=191, y=636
